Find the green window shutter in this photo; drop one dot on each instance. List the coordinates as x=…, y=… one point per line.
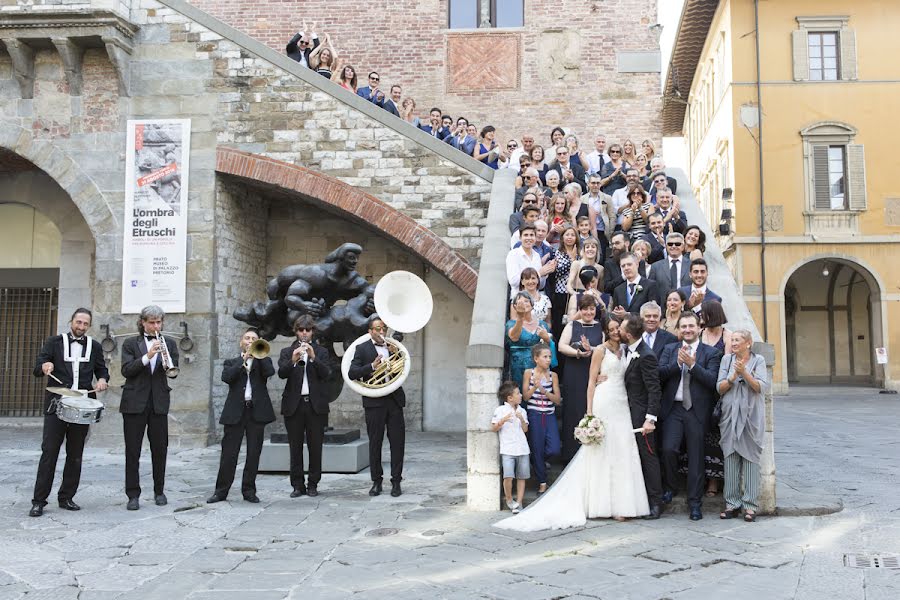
x=801, y=55
x=856, y=174
x=821, y=189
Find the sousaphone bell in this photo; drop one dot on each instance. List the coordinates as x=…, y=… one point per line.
x=404, y=303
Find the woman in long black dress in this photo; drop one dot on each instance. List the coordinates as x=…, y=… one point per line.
x=577, y=342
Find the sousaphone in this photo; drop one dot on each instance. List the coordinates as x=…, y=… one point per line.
x=404, y=303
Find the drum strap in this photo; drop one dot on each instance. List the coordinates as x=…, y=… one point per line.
x=84, y=356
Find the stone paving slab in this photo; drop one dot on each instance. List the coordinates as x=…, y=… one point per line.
x=427, y=545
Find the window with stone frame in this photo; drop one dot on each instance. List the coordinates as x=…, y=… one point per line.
x=471, y=14
x=824, y=49
x=835, y=172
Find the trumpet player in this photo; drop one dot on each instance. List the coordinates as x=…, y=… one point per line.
x=247, y=410
x=383, y=412
x=146, y=358
x=304, y=403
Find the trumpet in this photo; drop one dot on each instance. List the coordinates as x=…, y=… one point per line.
x=171, y=369
x=258, y=350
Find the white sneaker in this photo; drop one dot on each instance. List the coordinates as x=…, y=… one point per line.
x=517, y=509
x=512, y=505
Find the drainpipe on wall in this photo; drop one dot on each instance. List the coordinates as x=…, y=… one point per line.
x=762, y=211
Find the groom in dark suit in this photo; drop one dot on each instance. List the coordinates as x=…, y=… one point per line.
x=689, y=370
x=642, y=388
x=630, y=295
x=383, y=412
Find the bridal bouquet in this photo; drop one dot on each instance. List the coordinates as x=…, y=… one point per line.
x=590, y=431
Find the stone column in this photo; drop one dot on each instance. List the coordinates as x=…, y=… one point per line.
x=767, y=499
x=484, y=356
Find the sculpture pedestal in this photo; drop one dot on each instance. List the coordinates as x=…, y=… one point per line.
x=343, y=452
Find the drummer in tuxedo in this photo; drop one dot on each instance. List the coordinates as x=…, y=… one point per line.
x=383, y=412
x=145, y=403
x=75, y=359
x=247, y=410
x=304, y=403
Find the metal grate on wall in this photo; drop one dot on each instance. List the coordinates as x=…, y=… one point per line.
x=27, y=318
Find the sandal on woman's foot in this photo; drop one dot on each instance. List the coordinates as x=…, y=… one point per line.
x=729, y=513
x=619, y=519
x=749, y=517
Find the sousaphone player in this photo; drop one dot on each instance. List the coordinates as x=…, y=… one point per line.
x=73, y=359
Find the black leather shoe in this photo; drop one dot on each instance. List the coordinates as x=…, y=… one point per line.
x=301, y=491
x=312, y=490
x=375, y=489
x=68, y=505
x=252, y=498
x=395, y=489
x=215, y=498
x=696, y=515
x=161, y=500
x=655, y=513
x=667, y=497
x=37, y=509
x=133, y=504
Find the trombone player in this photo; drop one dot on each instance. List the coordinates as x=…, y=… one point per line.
x=304, y=403
x=247, y=410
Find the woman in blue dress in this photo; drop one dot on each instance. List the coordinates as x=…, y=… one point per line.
x=523, y=332
x=486, y=151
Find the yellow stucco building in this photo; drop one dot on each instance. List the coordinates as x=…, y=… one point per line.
x=797, y=127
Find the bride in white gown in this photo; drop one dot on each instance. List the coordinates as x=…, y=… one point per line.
x=601, y=481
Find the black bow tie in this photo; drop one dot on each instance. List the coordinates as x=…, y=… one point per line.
x=82, y=340
x=382, y=344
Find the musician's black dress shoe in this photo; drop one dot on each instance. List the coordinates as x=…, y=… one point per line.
x=312, y=490
x=133, y=504
x=68, y=505
x=161, y=500
x=375, y=489
x=37, y=509
x=215, y=498
x=252, y=498
x=696, y=515
x=300, y=491
x=655, y=513
x=395, y=489
x=667, y=497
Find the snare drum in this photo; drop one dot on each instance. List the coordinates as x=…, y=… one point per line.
x=81, y=411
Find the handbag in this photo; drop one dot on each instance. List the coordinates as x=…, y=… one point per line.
x=717, y=409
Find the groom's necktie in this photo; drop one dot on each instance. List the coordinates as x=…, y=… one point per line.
x=686, y=384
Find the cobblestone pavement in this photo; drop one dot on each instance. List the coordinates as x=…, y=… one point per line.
x=832, y=442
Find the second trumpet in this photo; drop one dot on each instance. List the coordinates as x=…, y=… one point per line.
x=171, y=370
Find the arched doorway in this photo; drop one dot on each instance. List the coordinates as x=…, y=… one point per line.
x=832, y=310
x=46, y=264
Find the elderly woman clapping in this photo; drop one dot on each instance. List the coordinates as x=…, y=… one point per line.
x=743, y=382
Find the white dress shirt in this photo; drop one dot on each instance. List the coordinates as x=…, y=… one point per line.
x=151, y=361
x=516, y=261
x=596, y=161
x=248, y=392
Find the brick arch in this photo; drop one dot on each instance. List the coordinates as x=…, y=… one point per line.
x=82, y=190
x=353, y=203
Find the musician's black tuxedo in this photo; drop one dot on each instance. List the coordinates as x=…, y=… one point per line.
x=381, y=413
x=145, y=407
x=688, y=425
x=56, y=430
x=239, y=419
x=643, y=391
x=646, y=293
x=305, y=416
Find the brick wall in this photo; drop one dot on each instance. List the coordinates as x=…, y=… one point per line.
x=406, y=41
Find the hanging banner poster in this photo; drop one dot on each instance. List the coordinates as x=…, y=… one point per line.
x=154, y=256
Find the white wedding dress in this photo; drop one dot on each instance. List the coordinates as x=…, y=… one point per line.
x=603, y=480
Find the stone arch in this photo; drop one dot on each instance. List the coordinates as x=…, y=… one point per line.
x=59, y=166
x=877, y=289
x=353, y=203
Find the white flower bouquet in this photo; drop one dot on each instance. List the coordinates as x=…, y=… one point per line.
x=590, y=431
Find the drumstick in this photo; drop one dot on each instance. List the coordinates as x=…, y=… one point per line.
x=55, y=377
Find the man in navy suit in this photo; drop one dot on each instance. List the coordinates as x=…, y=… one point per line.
x=673, y=272
x=667, y=205
x=370, y=92
x=656, y=237
x=688, y=371
x=459, y=136
x=384, y=412
x=434, y=127
x=697, y=292
x=653, y=336
x=634, y=291
x=392, y=104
